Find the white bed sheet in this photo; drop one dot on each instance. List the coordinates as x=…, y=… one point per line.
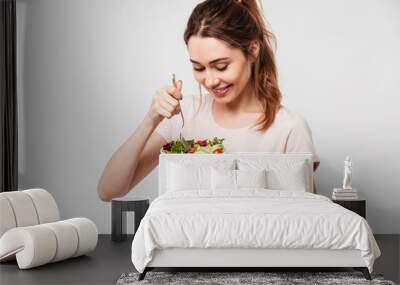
x=250, y=218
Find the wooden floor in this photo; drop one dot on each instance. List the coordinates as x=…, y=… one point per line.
x=111, y=259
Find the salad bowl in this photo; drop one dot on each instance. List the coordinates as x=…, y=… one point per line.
x=213, y=146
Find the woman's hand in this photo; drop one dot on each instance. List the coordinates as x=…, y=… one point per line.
x=165, y=103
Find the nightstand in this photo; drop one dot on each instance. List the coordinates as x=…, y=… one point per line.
x=357, y=206
x=119, y=207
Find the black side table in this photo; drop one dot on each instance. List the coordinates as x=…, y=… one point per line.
x=357, y=206
x=119, y=207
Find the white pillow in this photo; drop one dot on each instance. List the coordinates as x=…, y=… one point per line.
x=251, y=178
x=184, y=178
x=281, y=175
x=237, y=179
x=288, y=178
x=189, y=175
x=223, y=179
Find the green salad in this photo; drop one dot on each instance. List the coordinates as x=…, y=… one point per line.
x=213, y=146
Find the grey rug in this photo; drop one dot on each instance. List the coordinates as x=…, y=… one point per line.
x=229, y=278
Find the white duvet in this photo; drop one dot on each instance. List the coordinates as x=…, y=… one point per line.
x=251, y=218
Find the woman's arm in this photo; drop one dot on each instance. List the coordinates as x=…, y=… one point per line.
x=132, y=161
x=138, y=155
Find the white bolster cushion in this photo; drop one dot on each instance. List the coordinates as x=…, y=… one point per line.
x=45, y=205
x=66, y=238
x=27, y=208
x=33, y=245
x=45, y=243
x=24, y=211
x=7, y=219
x=87, y=234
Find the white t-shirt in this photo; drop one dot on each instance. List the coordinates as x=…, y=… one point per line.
x=289, y=133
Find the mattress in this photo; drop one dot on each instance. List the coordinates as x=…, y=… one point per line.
x=250, y=219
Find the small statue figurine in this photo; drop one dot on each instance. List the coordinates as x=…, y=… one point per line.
x=347, y=173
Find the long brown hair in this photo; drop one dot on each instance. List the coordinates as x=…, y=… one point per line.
x=240, y=23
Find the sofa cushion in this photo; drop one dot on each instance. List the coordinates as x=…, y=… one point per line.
x=45, y=243
x=27, y=208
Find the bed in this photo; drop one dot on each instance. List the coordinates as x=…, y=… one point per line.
x=246, y=210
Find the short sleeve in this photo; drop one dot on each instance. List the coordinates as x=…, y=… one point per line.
x=300, y=138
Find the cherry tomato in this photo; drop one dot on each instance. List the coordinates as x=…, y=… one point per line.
x=192, y=150
x=202, y=142
x=218, y=150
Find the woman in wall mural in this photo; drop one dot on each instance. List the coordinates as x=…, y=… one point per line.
x=230, y=50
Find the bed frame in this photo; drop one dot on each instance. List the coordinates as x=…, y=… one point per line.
x=248, y=259
x=237, y=259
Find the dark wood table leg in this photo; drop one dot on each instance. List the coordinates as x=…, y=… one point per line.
x=118, y=221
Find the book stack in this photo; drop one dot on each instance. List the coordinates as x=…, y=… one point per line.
x=344, y=194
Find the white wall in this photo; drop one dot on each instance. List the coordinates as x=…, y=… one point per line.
x=89, y=68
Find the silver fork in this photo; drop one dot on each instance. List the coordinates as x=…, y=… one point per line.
x=184, y=142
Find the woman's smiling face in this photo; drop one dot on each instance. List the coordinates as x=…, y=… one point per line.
x=222, y=70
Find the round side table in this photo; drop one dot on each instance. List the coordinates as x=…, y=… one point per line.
x=119, y=207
